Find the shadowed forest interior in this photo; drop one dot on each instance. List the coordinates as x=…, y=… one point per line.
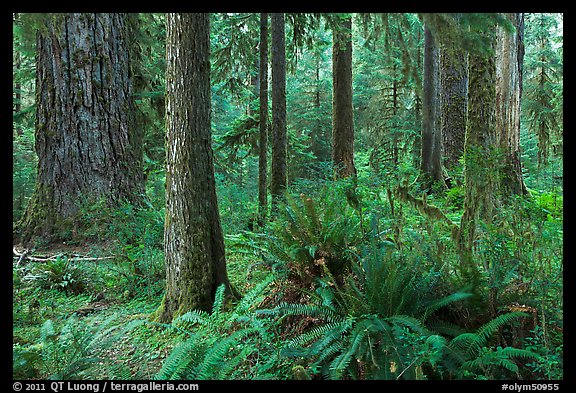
x=281, y=196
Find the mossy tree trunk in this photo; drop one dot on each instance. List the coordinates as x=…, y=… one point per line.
x=263, y=137
x=481, y=171
x=193, y=240
x=509, y=61
x=431, y=166
x=453, y=102
x=342, y=111
x=278, y=181
x=87, y=145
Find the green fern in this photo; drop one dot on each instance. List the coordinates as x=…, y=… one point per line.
x=374, y=325
x=69, y=353
x=315, y=237
x=469, y=352
x=219, y=341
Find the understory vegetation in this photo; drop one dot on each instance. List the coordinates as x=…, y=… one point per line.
x=329, y=292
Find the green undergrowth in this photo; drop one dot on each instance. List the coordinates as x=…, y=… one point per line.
x=344, y=283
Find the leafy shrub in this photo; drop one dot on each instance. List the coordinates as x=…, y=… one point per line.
x=549, y=365
x=455, y=197
x=552, y=204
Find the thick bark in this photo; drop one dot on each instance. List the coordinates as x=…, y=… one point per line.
x=431, y=158
x=509, y=60
x=263, y=138
x=87, y=145
x=193, y=240
x=342, y=111
x=453, y=102
x=481, y=161
x=279, y=138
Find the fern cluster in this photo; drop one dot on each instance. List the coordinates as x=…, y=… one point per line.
x=224, y=344
x=66, y=354
x=314, y=239
x=62, y=274
x=385, y=322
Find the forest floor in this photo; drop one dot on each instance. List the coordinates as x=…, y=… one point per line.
x=139, y=346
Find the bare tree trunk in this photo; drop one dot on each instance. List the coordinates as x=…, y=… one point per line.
x=279, y=137
x=193, y=240
x=87, y=145
x=342, y=113
x=263, y=140
x=509, y=60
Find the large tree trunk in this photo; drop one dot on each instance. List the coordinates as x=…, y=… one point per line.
x=87, y=145
x=453, y=102
x=509, y=60
x=342, y=113
x=431, y=159
x=193, y=241
x=279, y=138
x=263, y=138
x=481, y=163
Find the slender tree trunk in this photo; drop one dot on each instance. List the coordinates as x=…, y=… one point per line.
x=417, y=145
x=17, y=106
x=509, y=60
x=431, y=161
x=87, y=145
x=263, y=145
x=342, y=113
x=395, y=152
x=453, y=102
x=193, y=240
x=279, y=137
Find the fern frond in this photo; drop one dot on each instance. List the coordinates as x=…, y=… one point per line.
x=329, y=351
x=410, y=322
x=322, y=312
x=488, y=329
x=470, y=342
x=177, y=365
x=253, y=296
x=200, y=317
x=440, y=303
x=328, y=332
x=218, y=299
x=334, y=335
x=47, y=332
x=342, y=361
x=215, y=355
x=491, y=359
